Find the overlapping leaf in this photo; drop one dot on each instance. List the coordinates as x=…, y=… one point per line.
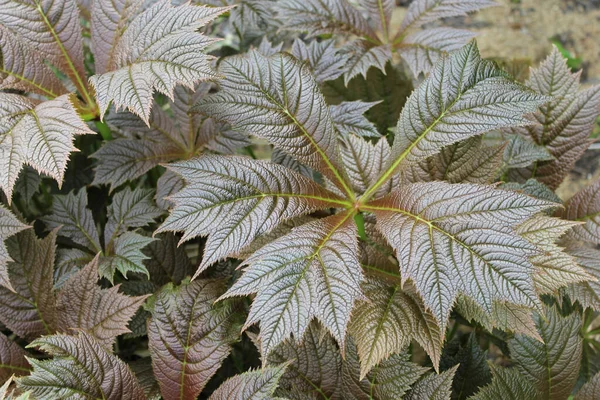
x=433, y=386
x=590, y=389
x=327, y=63
x=507, y=383
x=9, y=226
x=363, y=56
x=587, y=293
x=12, y=359
x=159, y=49
x=234, y=199
x=81, y=367
x=422, y=12
x=189, y=337
x=584, y=207
x=348, y=118
x=251, y=385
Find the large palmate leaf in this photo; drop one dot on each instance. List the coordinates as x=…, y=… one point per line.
x=564, y=124
x=189, y=337
x=235, y=199
x=552, y=365
x=251, y=385
x=507, y=383
x=12, y=359
x=102, y=313
x=9, y=225
x=159, y=49
x=80, y=368
x=460, y=238
x=277, y=98
x=40, y=134
x=295, y=280
x=584, y=207
x=464, y=96
x=29, y=309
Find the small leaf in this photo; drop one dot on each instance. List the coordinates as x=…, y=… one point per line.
x=103, y=313
x=12, y=360
x=508, y=384
x=363, y=56
x=586, y=293
x=326, y=61
x=552, y=365
x=189, y=337
x=364, y=162
x=348, y=118
x=422, y=12
x=80, y=367
x=585, y=207
x=9, y=226
x=433, y=386
x=126, y=256
x=251, y=385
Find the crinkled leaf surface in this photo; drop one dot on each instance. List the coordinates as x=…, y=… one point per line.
x=590, y=390
x=126, y=256
x=235, y=199
x=507, y=383
x=587, y=293
x=552, y=365
x=130, y=209
x=348, y=117
x=326, y=61
x=363, y=56
x=422, y=12
x=364, y=163
x=460, y=238
x=80, y=367
x=251, y=385
x=584, y=207
x=9, y=225
x=189, y=336
x=433, y=386
x=12, y=359
x=313, y=272
x=103, y=313
x=380, y=11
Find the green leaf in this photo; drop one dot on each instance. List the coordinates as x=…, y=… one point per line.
x=80, y=367
x=507, y=383
x=189, y=336
x=251, y=385
x=126, y=256
x=433, y=386
x=9, y=226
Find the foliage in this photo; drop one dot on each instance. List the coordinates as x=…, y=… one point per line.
x=247, y=200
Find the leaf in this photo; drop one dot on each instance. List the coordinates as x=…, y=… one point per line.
x=422, y=50
x=552, y=365
x=166, y=261
x=251, y=385
x=277, y=98
x=159, y=49
x=68, y=262
x=189, y=336
x=39, y=134
x=9, y=226
x=12, y=360
x=587, y=293
x=555, y=268
x=422, y=12
x=130, y=209
x=80, y=367
x=380, y=11
x=461, y=240
x=326, y=61
x=584, y=207
x=28, y=183
x=590, y=389
x=74, y=220
x=298, y=280
x=521, y=152
x=51, y=29
x=507, y=383
x=126, y=256
x=29, y=310
x=466, y=96
x=348, y=118
x=363, y=56
x=221, y=138
x=235, y=199
x=535, y=189
x=433, y=386
x=318, y=17
x=167, y=185
x=103, y=313
x=563, y=125
x=252, y=15
x=364, y=162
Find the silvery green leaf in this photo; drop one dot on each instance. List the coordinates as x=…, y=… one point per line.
x=168, y=184
x=522, y=152
x=251, y=385
x=507, y=383
x=422, y=12
x=9, y=226
x=433, y=386
x=348, y=118
x=126, y=256
x=364, y=162
x=327, y=62
x=584, y=207
x=362, y=56
x=380, y=11
x=253, y=15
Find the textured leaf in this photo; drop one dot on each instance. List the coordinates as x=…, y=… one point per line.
x=364, y=163
x=12, y=360
x=348, y=118
x=189, y=337
x=220, y=138
x=103, y=313
x=235, y=199
x=252, y=15
x=422, y=12
x=555, y=268
x=317, y=17
x=465, y=96
x=159, y=50
x=81, y=368
x=166, y=261
x=298, y=280
x=52, y=29
x=521, y=152
x=461, y=239
x=70, y=213
x=39, y=134
x=167, y=185
x=363, y=55
x=251, y=385
x=590, y=390
x=9, y=225
x=28, y=183
x=584, y=207
x=423, y=49
x=507, y=383
x=145, y=376
x=30, y=310
x=278, y=99
x=130, y=209
x=380, y=11
x=126, y=256
x=327, y=63
x=535, y=189
x=433, y=386
x=68, y=262
x=563, y=125
x=552, y=365
x=586, y=293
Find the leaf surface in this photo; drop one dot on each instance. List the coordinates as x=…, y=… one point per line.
x=326, y=61
x=251, y=385
x=507, y=383
x=9, y=226
x=433, y=386
x=12, y=360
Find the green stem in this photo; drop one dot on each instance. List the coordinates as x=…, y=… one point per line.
x=359, y=219
x=104, y=130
